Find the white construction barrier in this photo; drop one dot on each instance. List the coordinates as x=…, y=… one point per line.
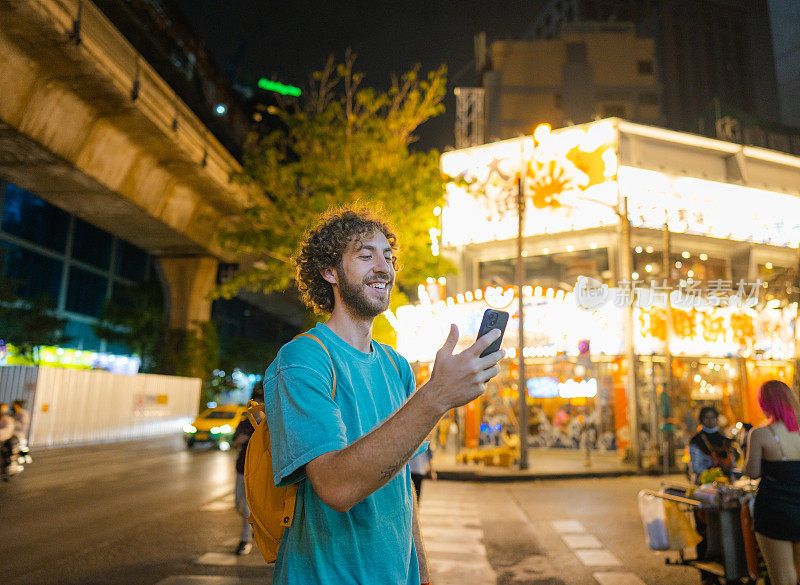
x=18, y=383
x=90, y=406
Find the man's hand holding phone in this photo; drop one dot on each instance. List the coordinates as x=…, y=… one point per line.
x=460, y=378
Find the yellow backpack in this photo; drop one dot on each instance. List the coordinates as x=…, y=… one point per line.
x=271, y=507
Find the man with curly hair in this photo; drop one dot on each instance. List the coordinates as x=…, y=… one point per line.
x=355, y=518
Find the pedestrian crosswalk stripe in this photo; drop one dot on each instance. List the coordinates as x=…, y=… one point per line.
x=453, y=537
x=592, y=558
x=447, y=565
x=449, y=510
x=471, y=548
x=216, y=558
x=618, y=579
x=228, y=559
x=443, y=532
x=208, y=580
x=448, y=505
x=568, y=526
x=450, y=521
x=581, y=541
x=218, y=504
x=451, y=513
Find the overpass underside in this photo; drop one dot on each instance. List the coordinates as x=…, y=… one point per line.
x=87, y=125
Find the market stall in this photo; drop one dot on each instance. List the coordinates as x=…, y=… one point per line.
x=672, y=515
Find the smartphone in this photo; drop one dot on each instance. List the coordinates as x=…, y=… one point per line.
x=493, y=320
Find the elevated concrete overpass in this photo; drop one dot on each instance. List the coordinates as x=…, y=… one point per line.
x=88, y=125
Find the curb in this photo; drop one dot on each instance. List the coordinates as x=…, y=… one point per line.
x=478, y=476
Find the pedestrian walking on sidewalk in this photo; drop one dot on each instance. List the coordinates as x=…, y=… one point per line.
x=241, y=437
x=22, y=420
x=421, y=468
x=7, y=439
x=345, y=418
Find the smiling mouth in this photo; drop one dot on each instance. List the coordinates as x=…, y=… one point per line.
x=378, y=285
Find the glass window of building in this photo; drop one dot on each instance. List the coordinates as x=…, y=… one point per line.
x=559, y=270
x=648, y=263
x=645, y=66
x=86, y=292
x=33, y=219
x=34, y=274
x=780, y=282
x=648, y=98
x=131, y=262
x=91, y=245
x=613, y=111
x=82, y=337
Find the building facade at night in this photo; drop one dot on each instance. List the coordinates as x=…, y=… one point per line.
x=705, y=51
x=76, y=265
x=714, y=236
x=587, y=71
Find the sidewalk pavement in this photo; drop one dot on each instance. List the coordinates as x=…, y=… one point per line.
x=542, y=464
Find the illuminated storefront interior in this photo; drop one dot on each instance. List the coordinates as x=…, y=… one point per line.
x=713, y=317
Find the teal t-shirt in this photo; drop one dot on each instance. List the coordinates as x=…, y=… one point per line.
x=371, y=543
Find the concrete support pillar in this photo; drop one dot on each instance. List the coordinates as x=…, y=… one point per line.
x=190, y=280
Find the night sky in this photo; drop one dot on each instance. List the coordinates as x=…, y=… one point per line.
x=286, y=41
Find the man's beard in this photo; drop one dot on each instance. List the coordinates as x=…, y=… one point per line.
x=355, y=297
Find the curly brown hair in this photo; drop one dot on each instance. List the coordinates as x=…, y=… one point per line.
x=323, y=246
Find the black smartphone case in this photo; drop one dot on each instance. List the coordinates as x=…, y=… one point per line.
x=493, y=319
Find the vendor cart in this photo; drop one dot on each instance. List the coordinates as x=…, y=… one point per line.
x=731, y=551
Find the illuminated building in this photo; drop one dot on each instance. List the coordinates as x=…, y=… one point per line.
x=733, y=227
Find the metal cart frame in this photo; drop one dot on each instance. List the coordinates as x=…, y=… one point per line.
x=725, y=553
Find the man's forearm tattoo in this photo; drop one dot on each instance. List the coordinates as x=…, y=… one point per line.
x=389, y=472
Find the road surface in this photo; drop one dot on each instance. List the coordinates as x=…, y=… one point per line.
x=154, y=513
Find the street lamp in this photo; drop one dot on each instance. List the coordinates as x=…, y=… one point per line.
x=628, y=276
x=520, y=278
x=796, y=361
x=527, y=151
x=630, y=355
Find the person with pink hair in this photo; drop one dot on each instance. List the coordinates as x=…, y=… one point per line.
x=773, y=454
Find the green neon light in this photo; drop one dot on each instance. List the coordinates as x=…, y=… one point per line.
x=279, y=87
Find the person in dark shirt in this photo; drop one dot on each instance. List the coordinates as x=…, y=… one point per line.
x=709, y=447
x=241, y=437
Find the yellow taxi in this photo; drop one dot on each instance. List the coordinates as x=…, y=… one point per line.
x=215, y=425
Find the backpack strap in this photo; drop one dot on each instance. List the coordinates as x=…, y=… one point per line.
x=386, y=351
x=714, y=451
x=708, y=444
x=333, y=368
x=253, y=407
